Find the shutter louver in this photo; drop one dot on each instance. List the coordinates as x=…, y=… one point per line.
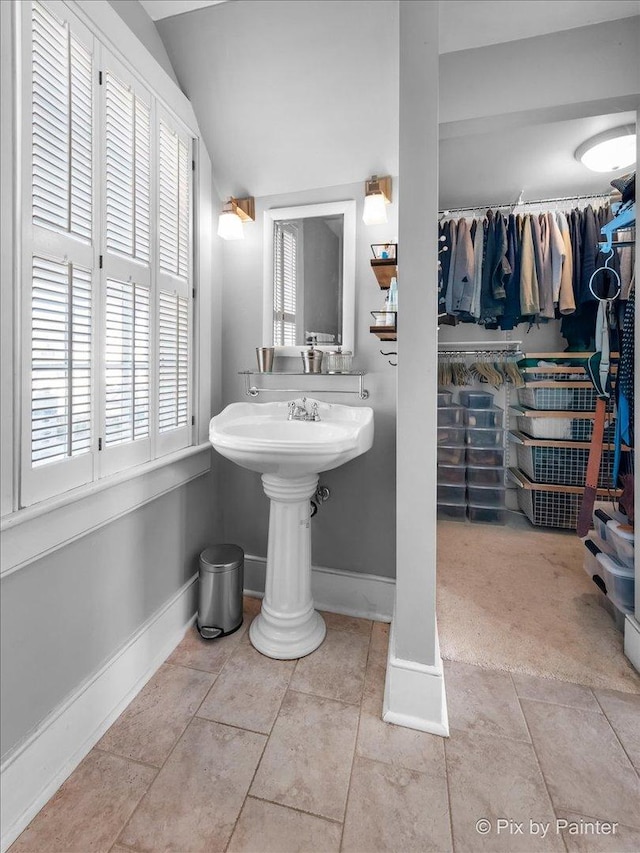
x=285, y=263
x=61, y=306
x=127, y=165
x=174, y=201
x=173, y=371
x=127, y=340
x=62, y=115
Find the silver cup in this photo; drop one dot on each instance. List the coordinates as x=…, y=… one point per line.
x=265, y=359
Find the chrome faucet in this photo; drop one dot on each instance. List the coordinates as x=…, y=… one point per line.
x=298, y=411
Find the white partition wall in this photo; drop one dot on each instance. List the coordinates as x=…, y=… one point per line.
x=414, y=694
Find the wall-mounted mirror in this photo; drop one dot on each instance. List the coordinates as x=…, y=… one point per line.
x=309, y=276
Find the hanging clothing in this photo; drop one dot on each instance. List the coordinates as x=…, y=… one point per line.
x=529, y=295
x=558, y=255
x=566, y=301
x=460, y=294
x=478, y=234
x=512, y=311
x=545, y=281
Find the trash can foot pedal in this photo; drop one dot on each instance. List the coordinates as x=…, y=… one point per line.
x=209, y=633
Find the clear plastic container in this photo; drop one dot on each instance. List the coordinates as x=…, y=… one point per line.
x=619, y=580
x=476, y=399
x=491, y=437
x=449, y=494
x=487, y=514
x=622, y=541
x=339, y=361
x=491, y=475
x=451, y=454
x=485, y=496
x=452, y=475
x=600, y=520
x=451, y=434
x=545, y=427
x=493, y=417
x=452, y=512
x=444, y=398
x=450, y=415
x=485, y=456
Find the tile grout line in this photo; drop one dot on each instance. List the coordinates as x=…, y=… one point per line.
x=332, y=820
x=127, y=758
x=244, y=800
x=539, y=765
x=355, y=743
x=613, y=729
x=446, y=779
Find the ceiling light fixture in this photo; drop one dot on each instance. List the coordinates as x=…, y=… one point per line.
x=377, y=195
x=609, y=151
x=234, y=213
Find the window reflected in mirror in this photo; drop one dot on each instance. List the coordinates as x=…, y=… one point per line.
x=308, y=280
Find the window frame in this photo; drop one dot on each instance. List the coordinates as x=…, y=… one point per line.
x=55, y=480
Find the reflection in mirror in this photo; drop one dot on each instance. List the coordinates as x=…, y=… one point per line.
x=309, y=276
x=307, y=280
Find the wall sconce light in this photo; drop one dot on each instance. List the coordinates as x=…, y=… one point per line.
x=234, y=213
x=377, y=195
x=609, y=151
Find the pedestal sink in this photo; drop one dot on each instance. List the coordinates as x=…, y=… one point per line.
x=289, y=454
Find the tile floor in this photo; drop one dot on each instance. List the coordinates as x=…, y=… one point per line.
x=227, y=750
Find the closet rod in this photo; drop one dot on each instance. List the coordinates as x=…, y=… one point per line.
x=525, y=203
x=499, y=352
x=485, y=346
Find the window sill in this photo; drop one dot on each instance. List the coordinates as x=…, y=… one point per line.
x=36, y=531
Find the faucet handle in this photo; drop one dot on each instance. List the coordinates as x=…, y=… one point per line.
x=314, y=412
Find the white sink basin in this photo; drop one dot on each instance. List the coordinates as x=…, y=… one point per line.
x=289, y=455
x=259, y=437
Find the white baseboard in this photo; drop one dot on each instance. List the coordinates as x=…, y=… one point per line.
x=632, y=640
x=349, y=593
x=35, y=770
x=414, y=694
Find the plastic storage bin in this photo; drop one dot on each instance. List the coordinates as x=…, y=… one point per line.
x=485, y=456
x=486, y=496
x=490, y=475
x=452, y=512
x=476, y=399
x=571, y=429
x=489, y=437
x=449, y=494
x=452, y=475
x=450, y=415
x=451, y=434
x=493, y=417
x=487, y=514
x=619, y=580
x=622, y=541
x=444, y=398
x=451, y=454
x=221, y=581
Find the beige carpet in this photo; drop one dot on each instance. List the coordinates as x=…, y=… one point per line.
x=518, y=599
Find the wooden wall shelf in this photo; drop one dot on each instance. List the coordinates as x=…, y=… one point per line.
x=384, y=333
x=384, y=270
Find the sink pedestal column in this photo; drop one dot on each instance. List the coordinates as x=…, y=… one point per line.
x=288, y=626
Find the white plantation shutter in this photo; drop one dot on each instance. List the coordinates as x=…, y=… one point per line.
x=174, y=202
x=107, y=299
x=286, y=283
x=173, y=371
x=62, y=117
x=127, y=362
x=174, y=287
x=60, y=361
x=128, y=170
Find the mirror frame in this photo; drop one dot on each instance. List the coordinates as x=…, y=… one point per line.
x=276, y=214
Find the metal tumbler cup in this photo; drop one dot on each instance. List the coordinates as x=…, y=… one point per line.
x=265, y=359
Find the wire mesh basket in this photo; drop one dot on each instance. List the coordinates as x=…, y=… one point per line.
x=550, y=509
x=566, y=466
x=573, y=429
x=572, y=398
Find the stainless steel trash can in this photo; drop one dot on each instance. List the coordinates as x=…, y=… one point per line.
x=220, y=590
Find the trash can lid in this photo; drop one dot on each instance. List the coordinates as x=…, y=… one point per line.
x=221, y=558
